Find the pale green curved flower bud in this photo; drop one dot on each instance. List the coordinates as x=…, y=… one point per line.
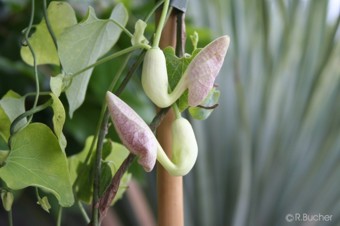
x=184, y=149
x=199, y=77
x=155, y=79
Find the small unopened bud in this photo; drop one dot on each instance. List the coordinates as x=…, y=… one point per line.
x=7, y=199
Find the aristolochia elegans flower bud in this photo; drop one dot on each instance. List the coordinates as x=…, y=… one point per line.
x=199, y=77
x=184, y=149
x=133, y=131
x=155, y=79
x=139, y=139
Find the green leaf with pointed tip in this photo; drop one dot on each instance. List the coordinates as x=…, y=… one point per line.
x=58, y=120
x=113, y=156
x=60, y=15
x=81, y=46
x=202, y=113
x=36, y=159
x=176, y=67
x=11, y=106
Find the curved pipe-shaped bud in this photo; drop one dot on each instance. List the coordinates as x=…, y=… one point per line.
x=155, y=79
x=133, y=131
x=199, y=77
x=139, y=139
x=184, y=149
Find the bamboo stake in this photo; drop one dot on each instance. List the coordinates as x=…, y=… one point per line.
x=169, y=188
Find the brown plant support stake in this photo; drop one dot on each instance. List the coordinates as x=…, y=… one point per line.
x=169, y=188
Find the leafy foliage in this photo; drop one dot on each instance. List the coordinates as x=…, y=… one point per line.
x=113, y=156
x=33, y=155
x=11, y=105
x=36, y=159
x=61, y=16
x=82, y=45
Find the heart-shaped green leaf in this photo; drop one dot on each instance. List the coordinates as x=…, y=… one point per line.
x=176, y=67
x=60, y=15
x=81, y=46
x=36, y=159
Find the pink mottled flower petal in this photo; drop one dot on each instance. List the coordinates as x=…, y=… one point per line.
x=133, y=131
x=204, y=68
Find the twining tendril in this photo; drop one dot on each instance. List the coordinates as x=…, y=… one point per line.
x=26, y=34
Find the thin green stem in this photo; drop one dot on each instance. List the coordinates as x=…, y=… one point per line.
x=104, y=119
x=37, y=193
x=49, y=27
x=122, y=27
x=110, y=57
x=176, y=110
x=50, y=30
x=161, y=23
x=158, y=4
x=97, y=169
x=60, y=213
x=10, y=218
x=102, y=112
x=119, y=73
x=83, y=212
x=29, y=114
x=27, y=31
x=130, y=73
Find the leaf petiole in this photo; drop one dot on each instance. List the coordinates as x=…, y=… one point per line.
x=121, y=27
x=110, y=57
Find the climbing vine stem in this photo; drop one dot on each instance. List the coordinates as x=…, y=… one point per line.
x=27, y=32
x=161, y=23
x=104, y=119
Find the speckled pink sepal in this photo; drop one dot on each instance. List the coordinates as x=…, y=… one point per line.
x=204, y=69
x=133, y=131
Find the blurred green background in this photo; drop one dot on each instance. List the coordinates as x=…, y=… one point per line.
x=271, y=149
